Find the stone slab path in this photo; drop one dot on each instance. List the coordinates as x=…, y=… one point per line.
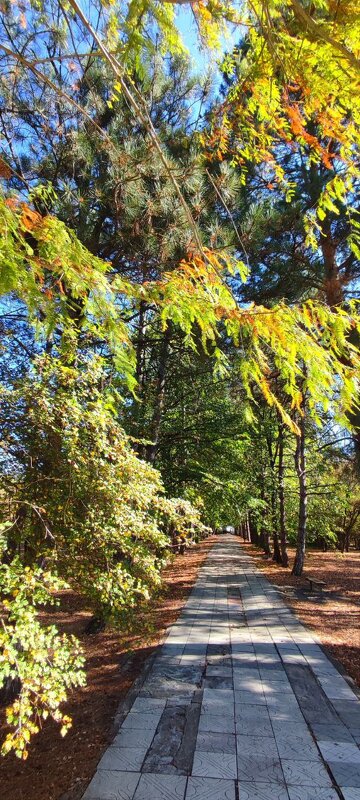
x=240, y=704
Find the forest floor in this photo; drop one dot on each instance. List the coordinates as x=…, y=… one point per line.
x=60, y=769
x=334, y=613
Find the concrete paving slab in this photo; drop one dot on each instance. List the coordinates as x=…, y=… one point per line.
x=250, y=697
x=262, y=791
x=331, y=733
x=219, y=671
x=346, y=773
x=285, y=715
x=305, y=773
x=148, y=705
x=219, y=659
x=214, y=765
x=349, y=712
x=218, y=682
x=259, y=768
x=241, y=674
x=298, y=749
x=216, y=742
x=133, y=738
x=340, y=751
x=112, y=785
x=276, y=687
x=210, y=789
x=217, y=707
x=271, y=674
x=251, y=711
x=161, y=787
x=337, y=688
x=286, y=701
x=254, y=726
x=217, y=723
x=135, y=721
x=305, y=793
x=126, y=759
x=219, y=695
x=260, y=745
x=288, y=731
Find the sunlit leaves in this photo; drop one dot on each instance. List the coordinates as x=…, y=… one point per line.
x=294, y=84
x=309, y=344
x=43, y=664
x=59, y=280
x=103, y=525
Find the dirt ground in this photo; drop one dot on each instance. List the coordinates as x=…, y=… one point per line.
x=60, y=769
x=334, y=613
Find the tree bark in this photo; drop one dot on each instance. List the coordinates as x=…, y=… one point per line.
x=151, y=449
x=272, y=460
x=138, y=409
x=276, y=553
x=300, y=466
x=281, y=491
x=248, y=528
x=139, y=369
x=254, y=532
x=264, y=533
x=332, y=282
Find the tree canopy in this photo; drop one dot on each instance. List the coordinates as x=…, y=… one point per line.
x=179, y=265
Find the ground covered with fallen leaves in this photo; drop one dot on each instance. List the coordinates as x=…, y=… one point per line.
x=60, y=769
x=334, y=612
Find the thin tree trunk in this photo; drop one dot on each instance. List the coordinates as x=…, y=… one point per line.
x=139, y=369
x=264, y=533
x=276, y=553
x=248, y=528
x=138, y=411
x=281, y=490
x=300, y=466
x=151, y=449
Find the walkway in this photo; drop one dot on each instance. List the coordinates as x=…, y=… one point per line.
x=240, y=704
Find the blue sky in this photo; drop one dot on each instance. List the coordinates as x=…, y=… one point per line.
x=186, y=25
x=203, y=58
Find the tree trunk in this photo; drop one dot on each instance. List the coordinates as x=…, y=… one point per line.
x=254, y=533
x=276, y=553
x=139, y=369
x=264, y=531
x=300, y=466
x=96, y=624
x=281, y=490
x=151, y=449
x=138, y=409
x=347, y=538
x=332, y=281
